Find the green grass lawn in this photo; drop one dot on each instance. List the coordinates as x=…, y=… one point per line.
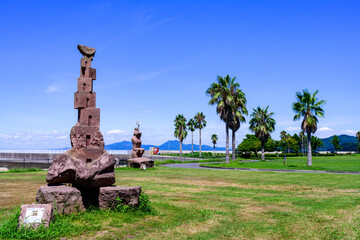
x=169, y=161
x=204, y=155
x=331, y=163
x=207, y=204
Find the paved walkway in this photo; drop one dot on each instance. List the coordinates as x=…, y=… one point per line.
x=196, y=166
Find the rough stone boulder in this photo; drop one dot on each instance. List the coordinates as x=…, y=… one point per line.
x=63, y=198
x=142, y=163
x=67, y=168
x=128, y=195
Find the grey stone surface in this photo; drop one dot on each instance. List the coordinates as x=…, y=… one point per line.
x=142, y=163
x=128, y=195
x=69, y=169
x=64, y=199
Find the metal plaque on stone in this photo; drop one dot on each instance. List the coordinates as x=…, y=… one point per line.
x=33, y=215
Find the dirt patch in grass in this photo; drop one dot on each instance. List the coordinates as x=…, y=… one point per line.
x=14, y=192
x=201, y=185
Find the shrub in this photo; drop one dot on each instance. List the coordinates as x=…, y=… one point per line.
x=144, y=205
x=282, y=155
x=245, y=155
x=21, y=170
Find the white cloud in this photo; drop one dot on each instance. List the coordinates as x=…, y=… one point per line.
x=62, y=137
x=352, y=132
x=34, y=140
x=53, y=88
x=325, y=132
x=293, y=129
x=325, y=129
x=115, y=131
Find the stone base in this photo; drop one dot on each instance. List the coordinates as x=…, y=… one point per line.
x=68, y=168
x=64, y=199
x=142, y=163
x=129, y=196
x=67, y=200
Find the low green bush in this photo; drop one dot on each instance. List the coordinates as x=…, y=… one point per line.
x=143, y=207
x=197, y=155
x=282, y=155
x=22, y=170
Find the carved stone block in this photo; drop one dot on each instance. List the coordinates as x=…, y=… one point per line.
x=85, y=84
x=64, y=199
x=86, y=137
x=127, y=195
x=84, y=100
x=89, y=117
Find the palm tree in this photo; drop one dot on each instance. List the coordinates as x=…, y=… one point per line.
x=262, y=124
x=310, y=108
x=285, y=141
x=191, y=127
x=236, y=115
x=180, y=129
x=200, y=123
x=214, y=139
x=358, y=138
x=223, y=94
x=234, y=125
x=302, y=134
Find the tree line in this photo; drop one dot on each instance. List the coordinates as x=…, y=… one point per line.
x=230, y=102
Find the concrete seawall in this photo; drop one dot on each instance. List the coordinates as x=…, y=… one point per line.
x=43, y=160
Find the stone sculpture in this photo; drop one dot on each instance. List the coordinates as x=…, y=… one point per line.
x=137, y=151
x=86, y=166
x=136, y=160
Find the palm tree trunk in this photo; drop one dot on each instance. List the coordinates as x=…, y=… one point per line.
x=309, y=159
x=200, y=142
x=214, y=151
x=192, y=143
x=233, y=145
x=227, y=159
x=262, y=151
x=180, y=148
x=302, y=145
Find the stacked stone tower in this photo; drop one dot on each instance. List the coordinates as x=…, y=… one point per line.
x=87, y=167
x=86, y=164
x=85, y=135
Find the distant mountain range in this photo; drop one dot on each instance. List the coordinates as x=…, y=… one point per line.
x=347, y=143
x=169, y=145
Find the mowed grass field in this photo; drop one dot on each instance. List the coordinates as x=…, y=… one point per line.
x=328, y=163
x=210, y=204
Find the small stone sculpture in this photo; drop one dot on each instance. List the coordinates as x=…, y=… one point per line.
x=136, y=160
x=137, y=151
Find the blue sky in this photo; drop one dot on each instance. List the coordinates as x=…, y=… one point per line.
x=155, y=59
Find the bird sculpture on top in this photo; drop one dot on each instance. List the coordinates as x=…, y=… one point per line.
x=86, y=51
